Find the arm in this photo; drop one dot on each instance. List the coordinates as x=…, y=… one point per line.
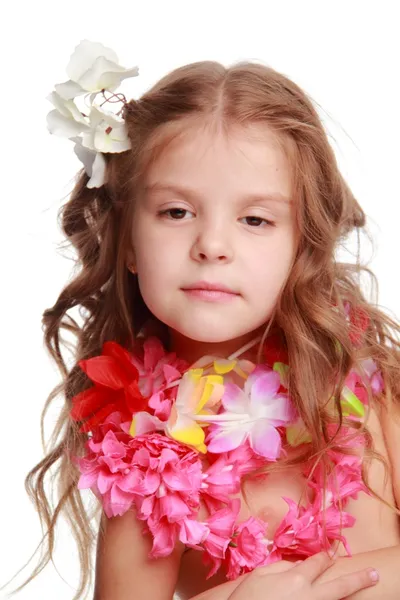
x=285, y=581
x=123, y=569
x=386, y=561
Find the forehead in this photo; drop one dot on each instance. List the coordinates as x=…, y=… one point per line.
x=251, y=159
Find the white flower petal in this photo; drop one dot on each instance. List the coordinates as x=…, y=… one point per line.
x=59, y=103
x=98, y=177
x=111, y=80
x=85, y=155
x=88, y=140
x=95, y=67
x=105, y=75
x=98, y=113
x=75, y=112
x=94, y=164
x=115, y=141
x=67, y=108
x=84, y=55
x=69, y=90
x=60, y=125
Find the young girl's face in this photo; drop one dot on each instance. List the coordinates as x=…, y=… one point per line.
x=215, y=212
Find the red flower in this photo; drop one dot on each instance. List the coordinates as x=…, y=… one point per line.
x=359, y=322
x=274, y=350
x=115, y=388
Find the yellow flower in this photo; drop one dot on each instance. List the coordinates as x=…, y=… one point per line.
x=197, y=394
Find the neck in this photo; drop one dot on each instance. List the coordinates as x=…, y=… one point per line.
x=191, y=350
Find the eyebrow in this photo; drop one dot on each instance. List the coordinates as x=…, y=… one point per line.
x=276, y=197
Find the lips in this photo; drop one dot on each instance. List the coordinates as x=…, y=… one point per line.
x=206, y=285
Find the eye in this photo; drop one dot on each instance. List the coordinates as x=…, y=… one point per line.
x=176, y=214
x=257, y=221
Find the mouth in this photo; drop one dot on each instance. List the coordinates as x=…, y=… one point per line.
x=211, y=292
x=205, y=285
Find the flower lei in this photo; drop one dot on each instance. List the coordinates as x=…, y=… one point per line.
x=152, y=420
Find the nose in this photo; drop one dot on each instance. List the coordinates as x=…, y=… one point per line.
x=213, y=244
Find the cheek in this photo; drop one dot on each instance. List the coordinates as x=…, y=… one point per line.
x=159, y=266
x=269, y=267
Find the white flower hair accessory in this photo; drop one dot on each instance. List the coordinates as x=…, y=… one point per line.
x=93, y=69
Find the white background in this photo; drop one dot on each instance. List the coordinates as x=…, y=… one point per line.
x=343, y=53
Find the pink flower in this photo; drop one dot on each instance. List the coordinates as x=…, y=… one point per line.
x=167, y=497
x=221, y=527
x=343, y=483
x=222, y=478
x=252, y=414
x=374, y=374
x=160, y=476
x=245, y=458
x=161, y=403
x=157, y=368
x=248, y=548
x=165, y=535
x=307, y=531
x=107, y=468
x=355, y=383
x=239, y=548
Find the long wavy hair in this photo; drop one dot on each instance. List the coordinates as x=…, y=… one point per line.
x=310, y=310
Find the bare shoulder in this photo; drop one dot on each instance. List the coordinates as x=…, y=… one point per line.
x=388, y=416
x=377, y=525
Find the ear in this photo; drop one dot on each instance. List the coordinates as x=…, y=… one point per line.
x=131, y=261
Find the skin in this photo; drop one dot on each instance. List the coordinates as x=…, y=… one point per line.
x=281, y=580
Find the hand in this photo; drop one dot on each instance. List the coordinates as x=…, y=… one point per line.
x=300, y=579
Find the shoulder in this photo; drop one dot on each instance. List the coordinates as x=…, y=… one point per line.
x=385, y=423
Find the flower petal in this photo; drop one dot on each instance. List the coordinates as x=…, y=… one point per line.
x=98, y=176
x=143, y=423
x=234, y=399
x=84, y=55
x=264, y=387
x=88, y=401
x=192, y=532
x=59, y=124
x=187, y=431
x=69, y=90
x=225, y=440
x=265, y=440
x=104, y=370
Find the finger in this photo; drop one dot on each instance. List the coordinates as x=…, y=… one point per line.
x=314, y=566
x=347, y=584
x=279, y=566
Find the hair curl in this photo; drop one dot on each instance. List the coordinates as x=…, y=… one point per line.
x=96, y=222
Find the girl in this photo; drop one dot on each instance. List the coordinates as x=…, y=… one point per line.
x=233, y=389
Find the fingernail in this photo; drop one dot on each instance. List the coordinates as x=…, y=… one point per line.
x=374, y=575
